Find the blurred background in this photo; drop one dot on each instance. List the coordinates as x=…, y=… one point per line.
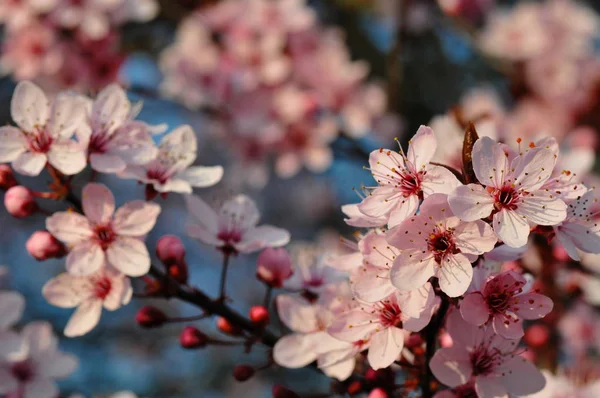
x=291, y=96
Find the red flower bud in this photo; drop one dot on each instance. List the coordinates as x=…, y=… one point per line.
x=282, y=392
x=378, y=393
x=7, y=178
x=355, y=387
x=243, y=372
x=274, y=266
x=170, y=250
x=179, y=272
x=191, y=338
x=259, y=315
x=537, y=335
x=226, y=327
x=19, y=202
x=150, y=317
x=41, y=245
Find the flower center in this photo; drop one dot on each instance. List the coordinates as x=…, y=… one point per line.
x=441, y=243
x=483, y=361
x=104, y=235
x=22, y=371
x=390, y=314
x=102, y=287
x=499, y=301
x=99, y=143
x=39, y=142
x=158, y=174
x=506, y=198
x=230, y=236
x=409, y=183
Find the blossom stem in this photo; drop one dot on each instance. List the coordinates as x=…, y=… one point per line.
x=226, y=256
x=431, y=333
x=189, y=318
x=267, y=300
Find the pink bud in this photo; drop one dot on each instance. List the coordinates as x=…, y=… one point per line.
x=243, y=372
x=7, y=178
x=170, y=250
x=378, y=393
x=41, y=245
x=259, y=315
x=537, y=335
x=191, y=337
x=282, y=392
x=274, y=266
x=19, y=202
x=150, y=317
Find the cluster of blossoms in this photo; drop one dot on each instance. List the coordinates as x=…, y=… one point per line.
x=65, y=43
x=30, y=361
x=282, y=84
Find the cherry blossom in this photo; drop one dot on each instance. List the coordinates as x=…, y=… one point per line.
x=234, y=227
x=313, y=273
x=106, y=288
x=385, y=323
x=274, y=266
x=114, y=140
x=18, y=14
x=437, y=243
x=44, y=133
x=404, y=180
x=580, y=229
x=172, y=170
x=492, y=362
x=356, y=218
x=33, y=371
x=101, y=234
x=504, y=301
x=512, y=191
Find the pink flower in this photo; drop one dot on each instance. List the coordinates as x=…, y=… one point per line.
x=31, y=372
x=101, y=234
x=580, y=229
x=512, y=194
x=44, y=133
x=355, y=218
x=114, y=140
x=172, y=170
x=385, y=323
x=274, y=266
x=404, y=180
x=492, y=362
x=504, y=301
x=18, y=14
x=310, y=340
x=437, y=243
x=234, y=227
x=106, y=288
x=313, y=273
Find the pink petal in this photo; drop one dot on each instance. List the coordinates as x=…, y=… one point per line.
x=354, y=325
x=412, y=269
x=509, y=328
x=202, y=177
x=372, y=283
x=405, y=207
x=119, y=293
x=174, y=185
x=511, y=228
x=490, y=163
x=129, y=255
x=29, y=106
x=67, y=157
x=294, y=351
x=341, y=370
x=297, y=314
x=135, y=218
x=471, y=202
x=40, y=338
x=490, y=387
x=199, y=232
x=85, y=259
x=69, y=227
x=455, y=275
x=380, y=202
x=439, y=180
x=12, y=305
x=12, y=144
x=451, y=366
x=85, y=318
x=421, y=148
x=264, y=236
x=462, y=332
x=67, y=114
x=40, y=388
x=57, y=365
x=66, y=290
x=30, y=163
x=542, y=208
x=386, y=346
x=111, y=108
x=359, y=220
x=474, y=309
x=475, y=237
x=382, y=161
x=532, y=305
x=521, y=377
x=412, y=233
x=98, y=203
x=533, y=169
x=105, y=163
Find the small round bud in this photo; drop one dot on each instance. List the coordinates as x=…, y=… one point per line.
x=170, y=250
x=537, y=335
x=7, y=178
x=243, y=372
x=274, y=266
x=179, y=272
x=19, y=202
x=150, y=317
x=355, y=387
x=259, y=315
x=378, y=393
x=226, y=327
x=42, y=245
x=382, y=377
x=191, y=338
x=282, y=392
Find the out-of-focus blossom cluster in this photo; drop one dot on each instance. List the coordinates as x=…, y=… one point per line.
x=30, y=360
x=282, y=84
x=65, y=43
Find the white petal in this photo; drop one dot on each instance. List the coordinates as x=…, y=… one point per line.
x=261, y=237
x=12, y=305
x=511, y=228
x=85, y=258
x=202, y=177
x=12, y=143
x=202, y=213
x=422, y=147
x=105, y=163
x=242, y=210
x=30, y=163
x=40, y=388
x=542, y=208
x=98, y=203
x=69, y=227
x=533, y=169
x=297, y=314
x=136, y=218
x=67, y=114
x=39, y=338
x=439, y=180
x=111, y=108
x=85, y=318
x=67, y=157
x=129, y=255
x=385, y=348
x=29, y=107
x=66, y=290
x=412, y=269
x=471, y=202
x=294, y=351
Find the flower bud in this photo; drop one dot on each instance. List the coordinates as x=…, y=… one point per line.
x=537, y=335
x=259, y=315
x=7, y=178
x=42, y=245
x=274, y=266
x=378, y=393
x=282, y=392
x=382, y=377
x=191, y=338
x=170, y=250
x=355, y=387
x=150, y=317
x=226, y=327
x=19, y=202
x=243, y=372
